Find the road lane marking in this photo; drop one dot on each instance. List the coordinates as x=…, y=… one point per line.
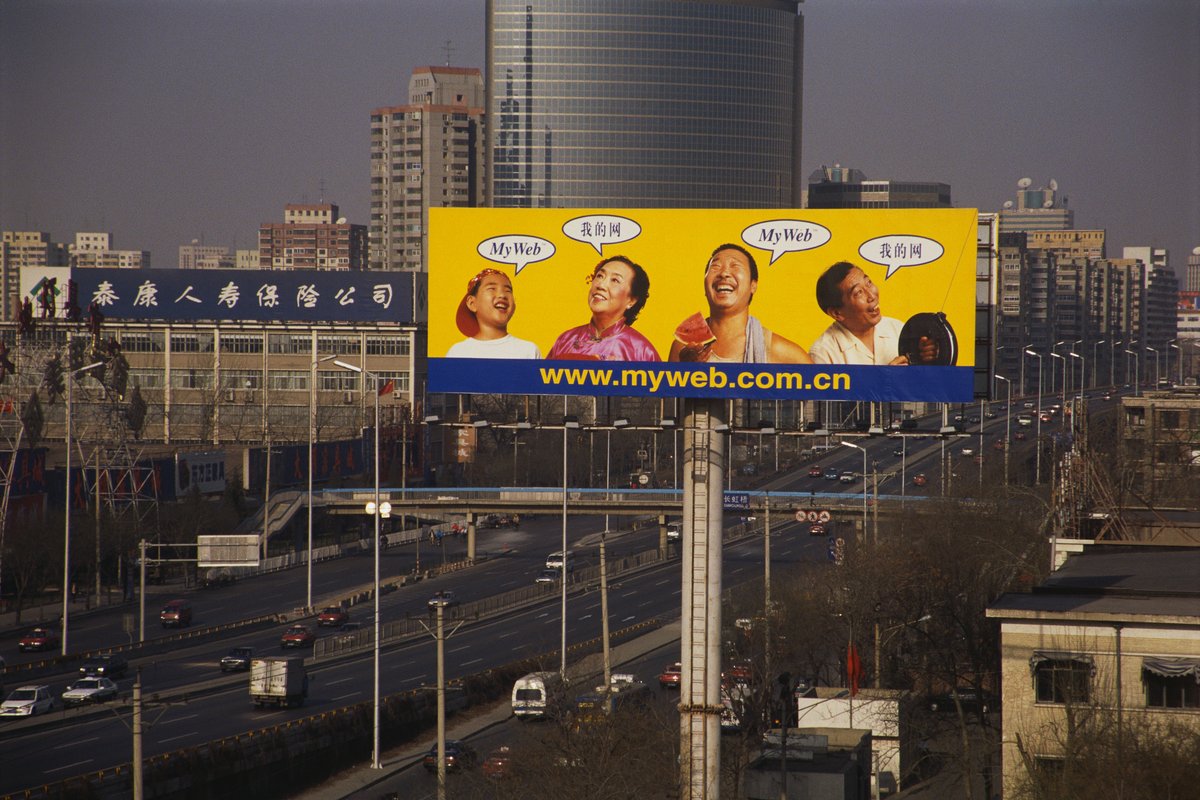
x=585, y=616
x=69, y=766
x=627, y=619
x=178, y=719
x=473, y=661
x=414, y=679
x=339, y=680
x=76, y=744
x=344, y=696
x=174, y=738
x=460, y=649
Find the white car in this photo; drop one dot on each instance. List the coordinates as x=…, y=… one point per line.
x=847, y=477
x=89, y=690
x=27, y=701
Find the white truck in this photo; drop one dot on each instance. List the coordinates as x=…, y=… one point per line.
x=278, y=682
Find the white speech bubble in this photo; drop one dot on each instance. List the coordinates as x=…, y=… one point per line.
x=601, y=229
x=900, y=250
x=785, y=236
x=516, y=249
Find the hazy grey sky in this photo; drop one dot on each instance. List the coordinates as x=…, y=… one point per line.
x=165, y=121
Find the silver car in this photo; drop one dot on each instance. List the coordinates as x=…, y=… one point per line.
x=89, y=690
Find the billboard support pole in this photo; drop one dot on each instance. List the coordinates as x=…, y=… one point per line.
x=705, y=444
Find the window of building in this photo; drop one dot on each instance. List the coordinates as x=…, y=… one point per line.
x=388, y=346
x=338, y=380
x=338, y=345
x=241, y=343
x=241, y=379
x=191, y=379
x=1062, y=677
x=146, y=378
x=142, y=341
x=287, y=380
x=289, y=344
x=1169, y=420
x=1171, y=682
x=191, y=342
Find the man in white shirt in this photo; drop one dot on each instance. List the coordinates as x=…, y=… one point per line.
x=860, y=334
x=483, y=316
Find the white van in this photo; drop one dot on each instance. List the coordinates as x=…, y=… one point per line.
x=531, y=694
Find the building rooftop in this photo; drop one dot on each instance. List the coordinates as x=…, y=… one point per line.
x=1119, y=580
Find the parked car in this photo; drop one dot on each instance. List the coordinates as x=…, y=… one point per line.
x=459, y=754
x=109, y=665
x=814, y=471
x=444, y=598
x=176, y=614
x=847, y=476
x=89, y=690
x=297, y=636
x=38, y=639
x=333, y=616
x=237, y=660
x=970, y=700
x=669, y=677
x=26, y=701
x=919, y=479
x=497, y=763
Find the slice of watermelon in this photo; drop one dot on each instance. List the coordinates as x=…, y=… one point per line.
x=694, y=332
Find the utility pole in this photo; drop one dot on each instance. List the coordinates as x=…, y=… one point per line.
x=705, y=447
x=438, y=632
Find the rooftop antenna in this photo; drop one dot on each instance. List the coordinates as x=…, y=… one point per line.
x=449, y=50
x=321, y=185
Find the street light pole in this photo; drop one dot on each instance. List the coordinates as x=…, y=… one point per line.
x=1157, y=373
x=1137, y=373
x=312, y=435
x=1095, y=365
x=66, y=588
x=1179, y=360
x=1007, y=424
x=864, y=452
x=1064, y=386
x=1038, y=435
x=376, y=510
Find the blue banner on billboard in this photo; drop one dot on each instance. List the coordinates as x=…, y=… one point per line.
x=766, y=381
x=252, y=295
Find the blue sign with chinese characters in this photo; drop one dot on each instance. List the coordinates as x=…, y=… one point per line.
x=252, y=295
x=737, y=501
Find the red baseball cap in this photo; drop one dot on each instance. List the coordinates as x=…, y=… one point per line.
x=465, y=317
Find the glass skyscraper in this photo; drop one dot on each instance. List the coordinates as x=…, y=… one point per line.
x=645, y=103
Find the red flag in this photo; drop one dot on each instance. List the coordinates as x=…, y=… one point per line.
x=387, y=388
x=854, y=668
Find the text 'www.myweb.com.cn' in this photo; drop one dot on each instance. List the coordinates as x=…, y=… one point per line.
x=655, y=380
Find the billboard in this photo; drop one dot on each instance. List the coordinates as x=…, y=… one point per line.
x=874, y=304
x=236, y=295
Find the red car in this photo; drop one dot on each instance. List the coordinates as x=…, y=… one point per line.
x=333, y=616
x=38, y=639
x=919, y=479
x=815, y=472
x=738, y=672
x=497, y=763
x=297, y=636
x=669, y=677
x=998, y=444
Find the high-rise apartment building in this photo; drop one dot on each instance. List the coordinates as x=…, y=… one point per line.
x=645, y=103
x=1162, y=300
x=312, y=236
x=94, y=250
x=20, y=249
x=427, y=152
x=837, y=187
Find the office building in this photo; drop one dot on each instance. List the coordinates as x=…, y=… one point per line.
x=428, y=152
x=312, y=236
x=1036, y=209
x=204, y=256
x=645, y=103
x=837, y=187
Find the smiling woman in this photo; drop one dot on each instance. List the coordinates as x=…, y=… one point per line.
x=617, y=291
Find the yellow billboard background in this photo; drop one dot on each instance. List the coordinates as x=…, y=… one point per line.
x=674, y=246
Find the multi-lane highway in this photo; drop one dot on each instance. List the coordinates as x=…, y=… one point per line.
x=82, y=742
